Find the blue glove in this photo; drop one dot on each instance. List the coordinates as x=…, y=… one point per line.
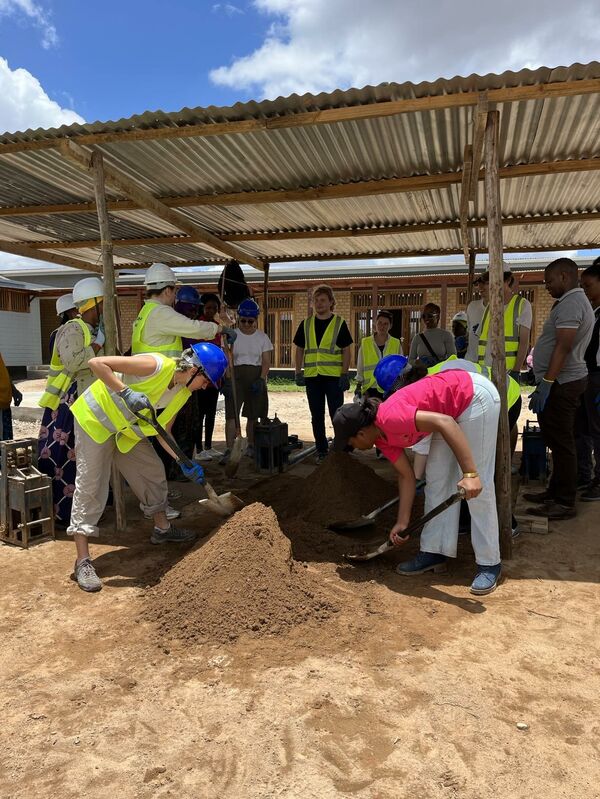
x=193, y=472
x=230, y=335
x=258, y=385
x=344, y=382
x=515, y=375
x=299, y=379
x=539, y=398
x=135, y=400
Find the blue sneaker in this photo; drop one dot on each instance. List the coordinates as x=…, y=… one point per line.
x=486, y=579
x=423, y=562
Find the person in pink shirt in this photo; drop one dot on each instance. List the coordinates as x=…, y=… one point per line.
x=461, y=410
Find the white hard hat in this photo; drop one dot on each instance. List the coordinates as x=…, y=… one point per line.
x=64, y=304
x=461, y=316
x=159, y=276
x=87, y=289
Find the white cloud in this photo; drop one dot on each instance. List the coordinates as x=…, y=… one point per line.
x=24, y=103
x=35, y=13
x=227, y=8
x=321, y=45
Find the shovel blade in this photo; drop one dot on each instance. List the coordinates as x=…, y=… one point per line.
x=374, y=553
x=356, y=524
x=234, y=460
x=222, y=504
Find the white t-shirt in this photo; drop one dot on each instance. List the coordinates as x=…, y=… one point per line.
x=248, y=348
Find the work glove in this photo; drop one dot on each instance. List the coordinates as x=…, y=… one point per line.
x=539, y=398
x=344, y=382
x=515, y=375
x=193, y=472
x=135, y=400
x=258, y=385
x=230, y=335
x=100, y=338
x=299, y=379
x=17, y=396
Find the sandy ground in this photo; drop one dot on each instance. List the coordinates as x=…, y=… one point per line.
x=413, y=689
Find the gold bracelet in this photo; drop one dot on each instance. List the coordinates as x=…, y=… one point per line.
x=470, y=474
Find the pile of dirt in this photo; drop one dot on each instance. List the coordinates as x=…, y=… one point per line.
x=241, y=581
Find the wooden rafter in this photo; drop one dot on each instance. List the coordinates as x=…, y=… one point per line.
x=328, y=116
x=479, y=122
x=41, y=255
x=299, y=235
x=83, y=159
x=464, y=201
x=338, y=191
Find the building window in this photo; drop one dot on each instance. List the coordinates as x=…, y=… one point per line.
x=15, y=301
x=463, y=297
x=529, y=294
x=279, y=330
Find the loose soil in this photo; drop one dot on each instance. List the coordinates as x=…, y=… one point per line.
x=242, y=581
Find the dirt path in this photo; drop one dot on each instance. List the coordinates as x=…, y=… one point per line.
x=411, y=688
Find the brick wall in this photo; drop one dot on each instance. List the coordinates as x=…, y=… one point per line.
x=129, y=307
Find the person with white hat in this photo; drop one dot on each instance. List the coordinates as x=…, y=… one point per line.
x=460, y=331
x=56, y=445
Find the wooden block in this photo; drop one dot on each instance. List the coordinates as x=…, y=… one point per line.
x=532, y=524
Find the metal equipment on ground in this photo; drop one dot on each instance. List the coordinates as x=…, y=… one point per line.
x=26, y=504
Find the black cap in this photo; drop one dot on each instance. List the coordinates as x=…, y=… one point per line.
x=347, y=421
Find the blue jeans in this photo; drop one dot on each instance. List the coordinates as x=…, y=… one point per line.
x=319, y=389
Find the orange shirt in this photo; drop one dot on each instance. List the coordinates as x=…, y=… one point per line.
x=5, y=386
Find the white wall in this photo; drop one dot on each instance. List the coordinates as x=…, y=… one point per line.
x=20, y=337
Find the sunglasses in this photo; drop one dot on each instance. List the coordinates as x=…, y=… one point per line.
x=247, y=321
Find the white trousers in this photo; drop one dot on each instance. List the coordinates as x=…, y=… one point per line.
x=479, y=423
x=141, y=467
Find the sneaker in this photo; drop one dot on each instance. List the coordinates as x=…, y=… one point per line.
x=174, y=493
x=553, y=510
x=203, y=456
x=174, y=535
x=86, y=577
x=583, y=483
x=515, y=531
x=537, y=496
x=423, y=562
x=591, y=493
x=171, y=513
x=213, y=453
x=486, y=579
x=225, y=457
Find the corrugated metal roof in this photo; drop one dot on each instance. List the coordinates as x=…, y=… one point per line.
x=341, y=153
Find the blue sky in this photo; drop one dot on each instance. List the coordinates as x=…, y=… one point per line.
x=65, y=61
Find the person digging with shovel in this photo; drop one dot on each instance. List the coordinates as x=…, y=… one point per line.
x=461, y=410
x=108, y=430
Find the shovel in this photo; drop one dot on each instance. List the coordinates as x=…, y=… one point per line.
x=412, y=528
x=362, y=521
x=221, y=504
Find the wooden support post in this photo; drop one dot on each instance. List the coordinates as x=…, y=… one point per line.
x=443, y=303
x=266, y=302
x=471, y=277
x=496, y=334
x=109, y=312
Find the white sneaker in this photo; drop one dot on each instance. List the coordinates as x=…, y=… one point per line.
x=171, y=513
x=214, y=453
x=203, y=456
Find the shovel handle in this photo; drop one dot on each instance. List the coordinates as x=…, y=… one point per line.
x=167, y=437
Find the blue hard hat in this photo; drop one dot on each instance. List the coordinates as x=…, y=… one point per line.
x=188, y=294
x=248, y=309
x=210, y=359
x=388, y=370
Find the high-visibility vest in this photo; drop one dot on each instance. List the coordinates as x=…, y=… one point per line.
x=171, y=349
x=59, y=379
x=371, y=357
x=511, y=331
x=513, y=389
x=102, y=413
x=325, y=359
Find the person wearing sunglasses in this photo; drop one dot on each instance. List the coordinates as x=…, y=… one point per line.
x=433, y=344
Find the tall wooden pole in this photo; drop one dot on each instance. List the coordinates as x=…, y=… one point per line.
x=471, y=276
x=266, y=301
x=496, y=336
x=109, y=312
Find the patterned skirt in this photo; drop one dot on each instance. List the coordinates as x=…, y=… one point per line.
x=56, y=451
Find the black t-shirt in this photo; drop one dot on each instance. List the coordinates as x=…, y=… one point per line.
x=344, y=339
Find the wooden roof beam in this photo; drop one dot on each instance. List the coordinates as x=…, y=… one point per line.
x=465, y=239
x=479, y=122
x=40, y=255
x=539, y=91
x=83, y=159
x=338, y=191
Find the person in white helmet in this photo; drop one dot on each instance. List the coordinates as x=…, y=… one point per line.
x=56, y=445
x=460, y=331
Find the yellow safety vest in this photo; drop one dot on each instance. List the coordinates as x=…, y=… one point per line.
x=59, y=379
x=511, y=331
x=172, y=349
x=513, y=389
x=102, y=413
x=371, y=357
x=325, y=359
